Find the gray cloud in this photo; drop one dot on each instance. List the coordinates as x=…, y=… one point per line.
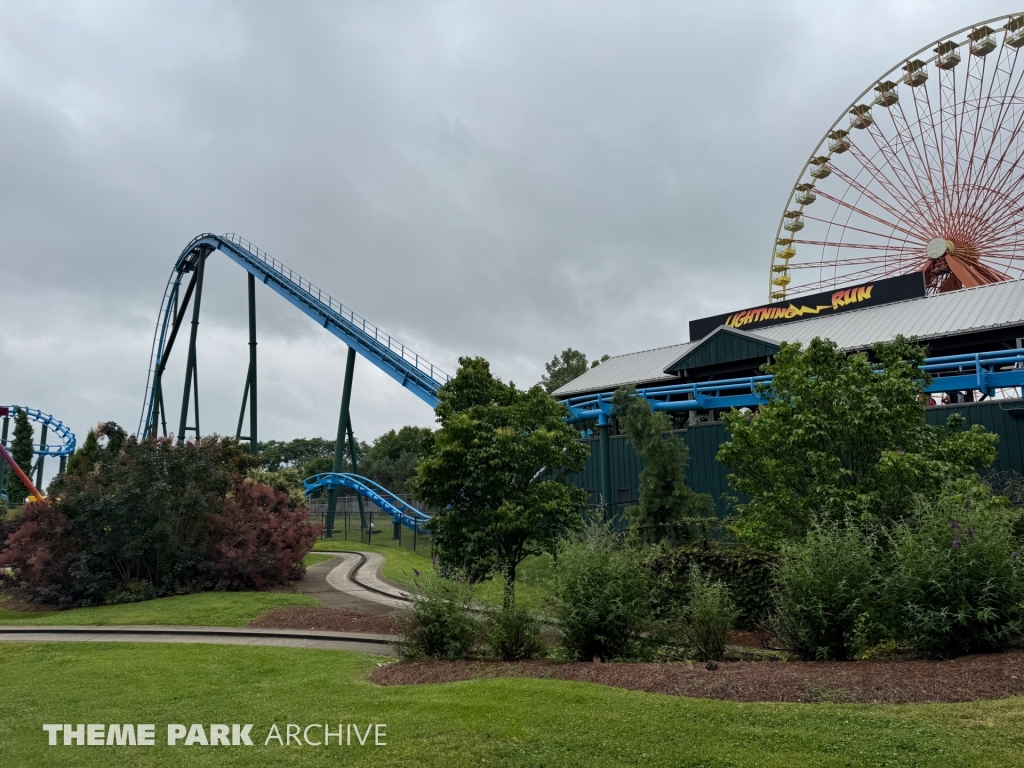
x=476, y=178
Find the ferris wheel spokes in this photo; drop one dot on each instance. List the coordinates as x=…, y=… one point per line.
x=935, y=186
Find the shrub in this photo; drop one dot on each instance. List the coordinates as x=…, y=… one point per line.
x=842, y=435
x=957, y=579
x=39, y=554
x=440, y=623
x=514, y=634
x=602, y=597
x=131, y=520
x=258, y=539
x=826, y=583
x=708, y=616
x=748, y=573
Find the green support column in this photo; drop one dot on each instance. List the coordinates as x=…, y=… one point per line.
x=190, y=368
x=39, y=461
x=63, y=465
x=339, y=444
x=606, y=465
x=3, y=464
x=355, y=471
x=253, y=442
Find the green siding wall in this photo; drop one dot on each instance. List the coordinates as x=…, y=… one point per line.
x=705, y=475
x=725, y=347
x=1003, y=417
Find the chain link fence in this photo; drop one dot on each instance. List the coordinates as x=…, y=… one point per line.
x=372, y=526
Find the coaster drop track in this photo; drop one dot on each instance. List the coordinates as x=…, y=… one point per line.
x=185, y=286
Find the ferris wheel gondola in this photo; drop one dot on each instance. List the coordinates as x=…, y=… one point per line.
x=923, y=172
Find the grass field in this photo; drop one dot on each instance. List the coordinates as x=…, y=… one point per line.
x=221, y=609
x=506, y=722
x=313, y=559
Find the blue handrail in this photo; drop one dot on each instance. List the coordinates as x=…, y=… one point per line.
x=406, y=367
x=400, y=511
x=982, y=371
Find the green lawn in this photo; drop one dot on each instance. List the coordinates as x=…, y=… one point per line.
x=314, y=559
x=222, y=609
x=505, y=722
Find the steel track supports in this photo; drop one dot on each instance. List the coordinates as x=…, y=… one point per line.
x=159, y=414
x=250, y=379
x=355, y=471
x=42, y=456
x=605, y=456
x=191, y=373
x=339, y=443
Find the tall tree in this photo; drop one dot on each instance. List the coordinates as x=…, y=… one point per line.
x=394, y=456
x=667, y=505
x=563, y=368
x=496, y=469
x=843, y=436
x=22, y=452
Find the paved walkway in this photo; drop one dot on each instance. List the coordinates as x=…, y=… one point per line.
x=350, y=580
x=354, y=584
x=359, y=642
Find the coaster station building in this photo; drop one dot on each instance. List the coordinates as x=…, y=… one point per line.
x=974, y=339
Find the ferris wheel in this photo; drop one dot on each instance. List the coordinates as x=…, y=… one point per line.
x=924, y=172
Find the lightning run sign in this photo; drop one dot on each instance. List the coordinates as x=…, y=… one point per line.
x=855, y=297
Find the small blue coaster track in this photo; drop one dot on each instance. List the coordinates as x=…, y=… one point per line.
x=400, y=511
x=64, y=447
x=67, y=443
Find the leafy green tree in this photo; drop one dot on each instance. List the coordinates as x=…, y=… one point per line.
x=496, y=469
x=394, y=456
x=842, y=435
x=563, y=368
x=21, y=451
x=666, y=502
x=275, y=454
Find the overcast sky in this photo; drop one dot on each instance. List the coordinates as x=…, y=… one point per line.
x=476, y=178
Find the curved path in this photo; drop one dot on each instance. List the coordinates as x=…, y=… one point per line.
x=354, y=584
x=350, y=580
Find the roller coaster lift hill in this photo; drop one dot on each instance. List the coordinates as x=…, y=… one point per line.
x=396, y=360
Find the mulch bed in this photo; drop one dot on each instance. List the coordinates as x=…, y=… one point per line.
x=333, y=619
x=990, y=676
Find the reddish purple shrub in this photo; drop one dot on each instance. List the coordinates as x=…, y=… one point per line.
x=256, y=540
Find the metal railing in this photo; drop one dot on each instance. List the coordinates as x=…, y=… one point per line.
x=333, y=305
x=985, y=372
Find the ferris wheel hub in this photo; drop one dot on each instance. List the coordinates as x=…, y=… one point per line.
x=939, y=247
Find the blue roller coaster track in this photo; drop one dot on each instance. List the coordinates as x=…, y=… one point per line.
x=985, y=372
x=66, y=438
x=406, y=367
x=400, y=511
x=63, y=448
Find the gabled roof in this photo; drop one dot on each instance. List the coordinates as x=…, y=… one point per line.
x=969, y=310
x=633, y=368
x=723, y=345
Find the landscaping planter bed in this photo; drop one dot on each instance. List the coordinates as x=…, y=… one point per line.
x=333, y=619
x=969, y=678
